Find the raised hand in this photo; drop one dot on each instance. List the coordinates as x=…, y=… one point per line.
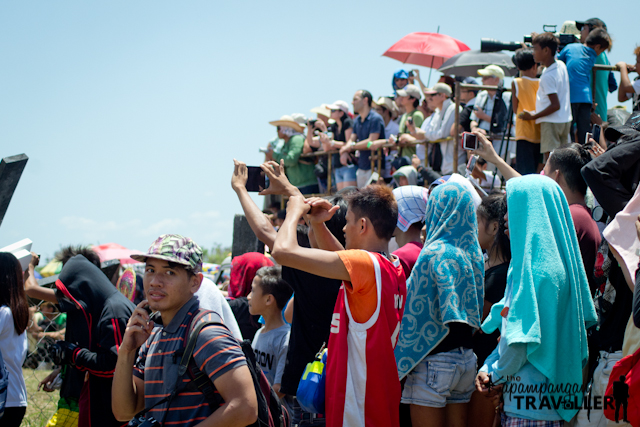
x=321, y=210
x=240, y=175
x=278, y=181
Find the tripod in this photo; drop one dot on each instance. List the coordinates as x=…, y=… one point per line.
x=504, y=134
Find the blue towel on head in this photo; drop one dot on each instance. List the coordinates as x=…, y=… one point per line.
x=550, y=299
x=447, y=282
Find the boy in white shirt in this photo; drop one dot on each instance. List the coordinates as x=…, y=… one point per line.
x=553, y=104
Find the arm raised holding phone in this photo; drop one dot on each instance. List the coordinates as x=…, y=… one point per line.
x=486, y=151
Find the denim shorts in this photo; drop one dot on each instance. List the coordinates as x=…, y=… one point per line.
x=345, y=173
x=441, y=379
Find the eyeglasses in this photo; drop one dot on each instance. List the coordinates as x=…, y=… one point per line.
x=334, y=111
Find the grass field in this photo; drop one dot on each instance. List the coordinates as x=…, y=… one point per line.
x=40, y=405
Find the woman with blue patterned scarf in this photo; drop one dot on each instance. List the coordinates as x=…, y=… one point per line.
x=444, y=307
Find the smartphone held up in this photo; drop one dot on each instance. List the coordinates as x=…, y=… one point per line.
x=469, y=141
x=256, y=179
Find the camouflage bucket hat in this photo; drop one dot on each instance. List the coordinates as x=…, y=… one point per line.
x=174, y=248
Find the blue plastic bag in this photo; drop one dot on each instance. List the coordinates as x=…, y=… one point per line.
x=310, y=393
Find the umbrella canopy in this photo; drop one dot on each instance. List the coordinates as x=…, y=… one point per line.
x=426, y=49
x=110, y=251
x=54, y=267
x=467, y=64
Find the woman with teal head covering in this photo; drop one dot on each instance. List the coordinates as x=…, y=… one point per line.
x=545, y=311
x=444, y=306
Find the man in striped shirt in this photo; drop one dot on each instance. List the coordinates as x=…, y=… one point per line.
x=172, y=277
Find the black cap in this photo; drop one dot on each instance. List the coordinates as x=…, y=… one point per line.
x=593, y=23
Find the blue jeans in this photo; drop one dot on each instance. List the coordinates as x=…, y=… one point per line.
x=345, y=173
x=442, y=378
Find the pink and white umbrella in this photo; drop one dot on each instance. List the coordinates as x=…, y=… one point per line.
x=110, y=251
x=426, y=49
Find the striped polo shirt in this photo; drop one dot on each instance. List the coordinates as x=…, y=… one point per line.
x=216, y=352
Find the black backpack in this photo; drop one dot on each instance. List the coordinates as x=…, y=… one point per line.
x=271, y=411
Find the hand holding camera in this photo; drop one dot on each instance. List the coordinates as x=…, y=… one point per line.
x=409, y=121
x=484, y=148
x=320, y=125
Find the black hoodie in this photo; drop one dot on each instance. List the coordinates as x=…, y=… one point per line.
x=97, y=316
x=613, y=177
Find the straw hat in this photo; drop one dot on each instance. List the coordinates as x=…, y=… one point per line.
x=389, y=104
x=288, y=122
x=322, y=110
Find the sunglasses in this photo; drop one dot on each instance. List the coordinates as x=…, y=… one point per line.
x=334, y=111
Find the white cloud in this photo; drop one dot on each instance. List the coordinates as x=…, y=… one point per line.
x=164, y=226
x=205, y=216
x=77, y=223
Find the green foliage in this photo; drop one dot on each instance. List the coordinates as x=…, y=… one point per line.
x=216, y=254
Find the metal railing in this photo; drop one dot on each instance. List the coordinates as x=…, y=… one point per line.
x=377, y=154
x=376, y=158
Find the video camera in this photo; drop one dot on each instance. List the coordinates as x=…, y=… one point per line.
x=493, y=45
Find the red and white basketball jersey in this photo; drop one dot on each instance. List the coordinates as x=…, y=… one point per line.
x=362, y=387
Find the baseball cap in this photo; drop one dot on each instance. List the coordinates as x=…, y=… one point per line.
x=339, y=105
x=399, y=162
x=174, y=248
x=412, y=205
x=593, y=22
x=492, y=70
x=630, y=127
x=410, y=90
x=439, y=88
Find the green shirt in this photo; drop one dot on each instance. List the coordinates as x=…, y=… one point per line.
x=299, y=174
x=418, y=118
x=602, y=86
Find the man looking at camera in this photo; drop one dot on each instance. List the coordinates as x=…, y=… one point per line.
x=172, y=277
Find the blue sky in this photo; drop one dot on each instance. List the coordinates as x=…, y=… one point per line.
x=131, y=112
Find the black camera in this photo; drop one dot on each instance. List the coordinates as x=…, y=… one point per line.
x=493, y=45
x=311, y=122
x=142, y=421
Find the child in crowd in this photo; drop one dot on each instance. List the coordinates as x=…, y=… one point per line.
x=553, y=107
x=269, y=295
x=524, y=90
x=630, y=89
x=580, y=59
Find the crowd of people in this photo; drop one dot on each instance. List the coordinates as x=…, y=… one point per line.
x=441, y=298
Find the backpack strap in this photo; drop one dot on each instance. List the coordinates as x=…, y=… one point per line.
x=199, y=379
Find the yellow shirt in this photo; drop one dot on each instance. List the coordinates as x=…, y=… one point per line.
x=526, y=89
